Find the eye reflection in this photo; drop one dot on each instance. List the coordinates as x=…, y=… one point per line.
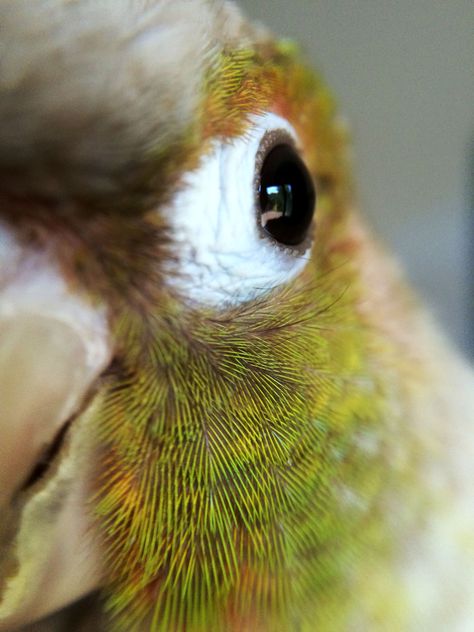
x=286, y=195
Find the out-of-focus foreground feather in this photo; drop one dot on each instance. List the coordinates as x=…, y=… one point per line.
x=214, y=414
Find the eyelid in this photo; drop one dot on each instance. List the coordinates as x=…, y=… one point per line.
x=269, y=140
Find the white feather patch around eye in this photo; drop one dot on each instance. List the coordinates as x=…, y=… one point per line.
x=222, y=256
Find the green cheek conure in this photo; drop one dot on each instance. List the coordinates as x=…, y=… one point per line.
x=221, y=409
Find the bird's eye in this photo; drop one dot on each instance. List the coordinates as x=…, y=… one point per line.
x=241, y=219
x=286, y=196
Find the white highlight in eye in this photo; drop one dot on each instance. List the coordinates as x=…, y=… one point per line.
x=222, y=256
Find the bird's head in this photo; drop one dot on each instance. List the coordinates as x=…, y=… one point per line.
x=200, y=343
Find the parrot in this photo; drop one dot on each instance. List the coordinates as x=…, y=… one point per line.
x=222, y=408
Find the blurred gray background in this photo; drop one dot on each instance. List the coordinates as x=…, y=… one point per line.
x=403, y=74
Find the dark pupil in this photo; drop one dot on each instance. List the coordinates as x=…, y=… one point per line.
x=287, y=196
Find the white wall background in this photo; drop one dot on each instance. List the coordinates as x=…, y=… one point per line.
x=403, y=73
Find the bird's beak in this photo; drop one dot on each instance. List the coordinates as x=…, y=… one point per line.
x=53, y=347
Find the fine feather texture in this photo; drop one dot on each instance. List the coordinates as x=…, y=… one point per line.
x=223, y=497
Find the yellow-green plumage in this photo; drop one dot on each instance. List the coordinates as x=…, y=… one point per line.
x=227, y=460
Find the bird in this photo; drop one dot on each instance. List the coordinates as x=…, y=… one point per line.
x=222, y=408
